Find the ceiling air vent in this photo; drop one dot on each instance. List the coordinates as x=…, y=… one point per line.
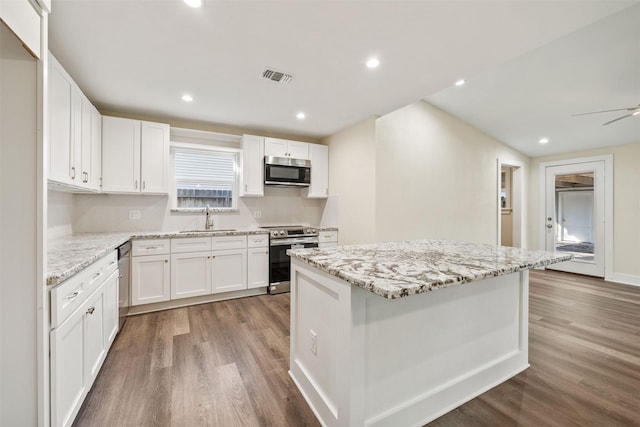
x=277, y=76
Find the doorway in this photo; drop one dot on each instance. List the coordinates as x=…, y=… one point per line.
x=576, y=201
x=510, y=210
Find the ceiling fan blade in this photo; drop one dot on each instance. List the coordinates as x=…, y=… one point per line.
x=608, y=111
x=619, y=118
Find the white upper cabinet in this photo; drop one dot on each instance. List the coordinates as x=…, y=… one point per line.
x=319, y=187
x=95, y=179
x=135, y=156
x=252, y=166
x=60, y=142
x=24, y=20
x=285, y=148
x=75, y=139
x=120, y=155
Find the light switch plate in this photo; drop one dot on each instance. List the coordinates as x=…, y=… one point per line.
x=134, y=214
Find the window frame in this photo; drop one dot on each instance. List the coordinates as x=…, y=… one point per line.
x=173, y=193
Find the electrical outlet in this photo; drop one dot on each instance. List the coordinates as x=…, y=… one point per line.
x=314, y=342
x=257, y=214
x=134, y=214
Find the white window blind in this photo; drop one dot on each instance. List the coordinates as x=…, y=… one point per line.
x=204, y=177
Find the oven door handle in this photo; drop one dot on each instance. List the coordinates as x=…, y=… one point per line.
x=289, y=242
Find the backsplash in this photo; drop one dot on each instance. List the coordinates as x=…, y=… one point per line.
x=79, y=213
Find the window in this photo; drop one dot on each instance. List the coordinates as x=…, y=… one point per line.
x=204, y=177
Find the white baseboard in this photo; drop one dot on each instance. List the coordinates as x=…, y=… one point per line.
x=627, y=279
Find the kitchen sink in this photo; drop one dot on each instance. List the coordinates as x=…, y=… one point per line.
x=208, y=231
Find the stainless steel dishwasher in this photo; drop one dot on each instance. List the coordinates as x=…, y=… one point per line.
x=124, y=259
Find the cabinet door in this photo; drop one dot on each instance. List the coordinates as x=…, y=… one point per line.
x=150, y=279
x=252, y=166
x=67, y=369
x=120, y=155
x=111, y=307
x=275, y=147
x=298, y=150
x=95, y=177
x=60, y=148
x=85, y=141
x=94, y=338
x=190, y=274
x=229, y=270
x=77, y=177
x=155, y=158
x=319, y=156
x=257, y=267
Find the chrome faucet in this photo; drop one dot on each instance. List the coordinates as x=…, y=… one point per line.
x=208, y=220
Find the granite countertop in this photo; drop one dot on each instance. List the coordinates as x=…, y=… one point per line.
x=68, y=255
x=398, y=269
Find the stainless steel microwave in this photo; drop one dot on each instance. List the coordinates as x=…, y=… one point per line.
x=287, y=172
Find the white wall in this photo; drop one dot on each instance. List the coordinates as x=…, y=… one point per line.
x=108, y=212
x=626, y=206
x=352, y=181
x=19, y=281
x=59, y=213
x=436, y=177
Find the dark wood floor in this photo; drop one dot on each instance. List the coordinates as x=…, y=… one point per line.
x=225, y=364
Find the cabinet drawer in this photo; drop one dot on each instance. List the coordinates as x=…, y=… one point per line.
x=190, y=244
x=257, y=240
x=328, y=236
x=74, y=291
x=150, y=247
x=228, y=242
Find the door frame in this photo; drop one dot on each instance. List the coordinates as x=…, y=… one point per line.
x=608, y=204
x=517, y=199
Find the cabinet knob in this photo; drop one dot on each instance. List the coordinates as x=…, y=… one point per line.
x=91, y=310
x=166, y=260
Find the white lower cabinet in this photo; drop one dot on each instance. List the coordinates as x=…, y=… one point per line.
x=80, y=339
x=150, y=279
x=111, y=302
x=190, y=274
x=327, y=239
x=257, y=267
x=229, y=270
x=68, y=387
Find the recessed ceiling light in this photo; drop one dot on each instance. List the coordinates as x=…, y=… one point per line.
x=373, y=62
x=193, y=3
x=187, y=98
x=460, y=82
x=543, y=140
x=301, y=115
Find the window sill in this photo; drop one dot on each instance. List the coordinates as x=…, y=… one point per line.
x=203, y=210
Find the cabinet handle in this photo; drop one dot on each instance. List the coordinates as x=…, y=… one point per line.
x=111, y=263
x=166, y=260
x=135, y=184
x=95, y=276
x=91, y=310
x=73, y=172
x=85, y=177
x=245, y=187
x=151, y=247
x=100, y=182
x=144, y=184
x=120, y=276
x=326, y=191
x=73, y=296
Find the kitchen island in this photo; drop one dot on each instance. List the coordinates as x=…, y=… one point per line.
x=397, y=334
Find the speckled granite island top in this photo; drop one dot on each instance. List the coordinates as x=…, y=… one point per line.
x=68, y=255
x=398, y=269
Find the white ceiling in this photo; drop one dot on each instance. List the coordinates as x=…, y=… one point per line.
x=141, y=56
x=535, y=95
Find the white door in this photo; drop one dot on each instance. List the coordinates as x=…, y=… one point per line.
x=154, y=157
x=120, y=155
x=190, y=274
x=150, y=279
x=575, y=215
x=229, y=270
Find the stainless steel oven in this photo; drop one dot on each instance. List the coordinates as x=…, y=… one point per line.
x=281, y=239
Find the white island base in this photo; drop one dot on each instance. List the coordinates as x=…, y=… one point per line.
x=363, y=360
